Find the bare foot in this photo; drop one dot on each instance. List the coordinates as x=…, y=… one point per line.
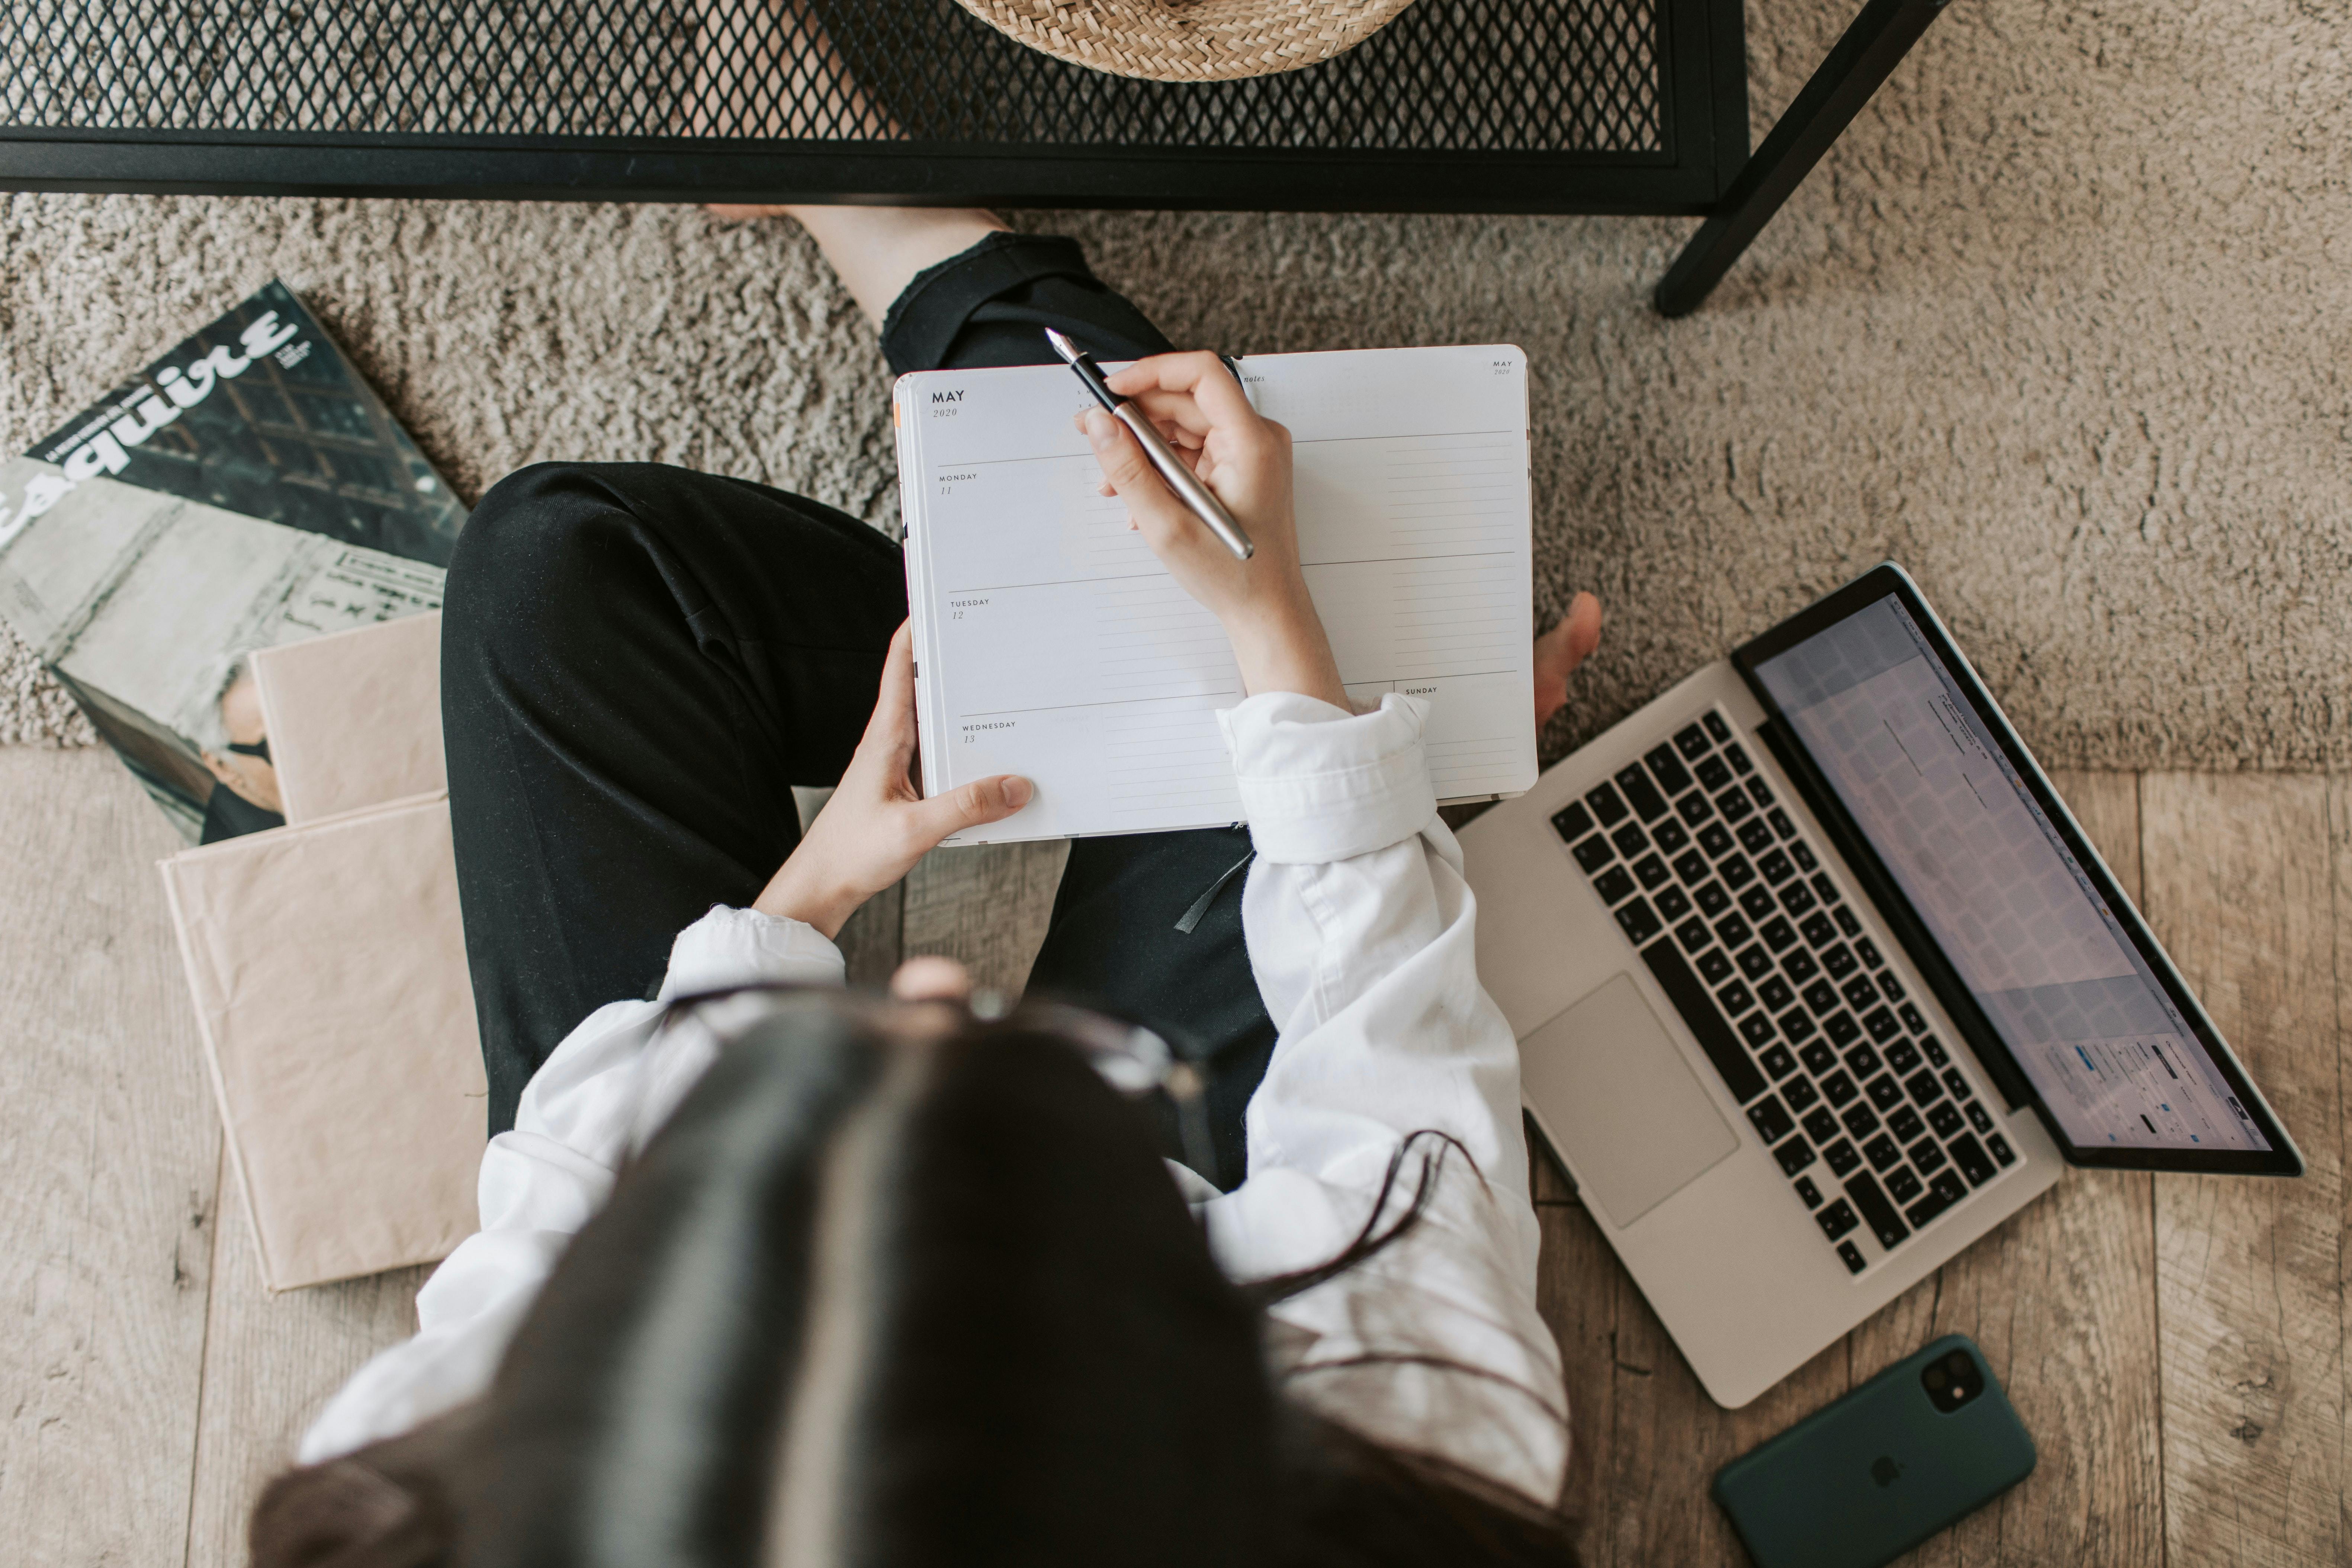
x=1559, y=650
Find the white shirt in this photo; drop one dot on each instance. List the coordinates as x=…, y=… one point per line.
x=1359, y=930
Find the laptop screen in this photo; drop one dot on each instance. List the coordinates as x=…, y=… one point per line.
x=2031, y=936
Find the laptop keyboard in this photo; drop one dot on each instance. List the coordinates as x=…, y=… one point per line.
x=1755, y=942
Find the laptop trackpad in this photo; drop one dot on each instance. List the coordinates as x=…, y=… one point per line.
x=1610, y=1081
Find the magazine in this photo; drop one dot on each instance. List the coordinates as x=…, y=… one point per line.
x=248, y=489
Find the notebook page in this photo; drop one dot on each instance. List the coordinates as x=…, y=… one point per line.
x=1051, y=643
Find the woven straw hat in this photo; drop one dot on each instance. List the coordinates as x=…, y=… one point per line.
x=1189, y=40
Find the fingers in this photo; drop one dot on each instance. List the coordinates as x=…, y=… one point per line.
x=892, y=723
x=1194, y=401
x=982, y=800
x=1179, y=415
x=1183, y=443
x=931, y=978
x=1132, y=477
x=1193, y=393
x=1200, y=373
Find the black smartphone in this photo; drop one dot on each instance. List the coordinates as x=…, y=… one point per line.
x=1858, y=1483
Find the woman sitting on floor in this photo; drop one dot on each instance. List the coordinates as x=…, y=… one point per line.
x=802, y=1277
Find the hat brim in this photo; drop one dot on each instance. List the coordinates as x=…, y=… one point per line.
x=1205, y=40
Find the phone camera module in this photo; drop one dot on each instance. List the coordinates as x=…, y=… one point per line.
x=1952, y=1381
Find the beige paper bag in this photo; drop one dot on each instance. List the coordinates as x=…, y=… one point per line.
x=355, y=719
x=329, y=970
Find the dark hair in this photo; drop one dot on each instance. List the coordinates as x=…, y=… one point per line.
x=888, y=1292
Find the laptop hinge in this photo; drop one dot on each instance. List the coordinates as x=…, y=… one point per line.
x=1880, y=888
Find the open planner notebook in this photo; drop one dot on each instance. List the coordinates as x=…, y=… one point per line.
x=1050, y=642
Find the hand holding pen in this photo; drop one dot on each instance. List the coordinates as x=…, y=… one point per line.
x=1243, y=459
x=1198, y=498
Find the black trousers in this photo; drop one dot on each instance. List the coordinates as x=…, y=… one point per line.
x=638, y=663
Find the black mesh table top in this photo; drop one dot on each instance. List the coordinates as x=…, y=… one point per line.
x=1534, y=104
x=1551, y=75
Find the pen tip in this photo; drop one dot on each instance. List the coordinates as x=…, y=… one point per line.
x=1061, y=345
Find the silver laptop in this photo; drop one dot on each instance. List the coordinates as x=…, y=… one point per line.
x=1816, y=981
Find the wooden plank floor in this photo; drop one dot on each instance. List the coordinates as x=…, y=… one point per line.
x=2176, y=1345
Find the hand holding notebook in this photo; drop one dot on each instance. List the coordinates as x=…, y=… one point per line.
x=876, y=824
x=1052, y=641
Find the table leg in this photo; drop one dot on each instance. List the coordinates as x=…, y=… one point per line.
x=1863, y=58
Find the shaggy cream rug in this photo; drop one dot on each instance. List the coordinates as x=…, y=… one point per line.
x=2063, y=324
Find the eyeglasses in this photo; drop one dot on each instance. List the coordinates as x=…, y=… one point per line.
x=1135, y=1061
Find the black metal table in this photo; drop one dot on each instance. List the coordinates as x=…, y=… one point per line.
x=1528, y=105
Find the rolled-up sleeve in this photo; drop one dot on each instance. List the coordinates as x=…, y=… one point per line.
x=1319, y=784
x=1361, y=934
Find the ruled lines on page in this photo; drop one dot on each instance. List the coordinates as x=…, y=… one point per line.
x=1416, y=549
x=1053, y=643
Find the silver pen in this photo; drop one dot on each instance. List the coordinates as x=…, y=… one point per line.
x=1198, y=498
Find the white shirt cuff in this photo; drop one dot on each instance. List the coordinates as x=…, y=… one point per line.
x=729, y=947
x=1319, y=784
